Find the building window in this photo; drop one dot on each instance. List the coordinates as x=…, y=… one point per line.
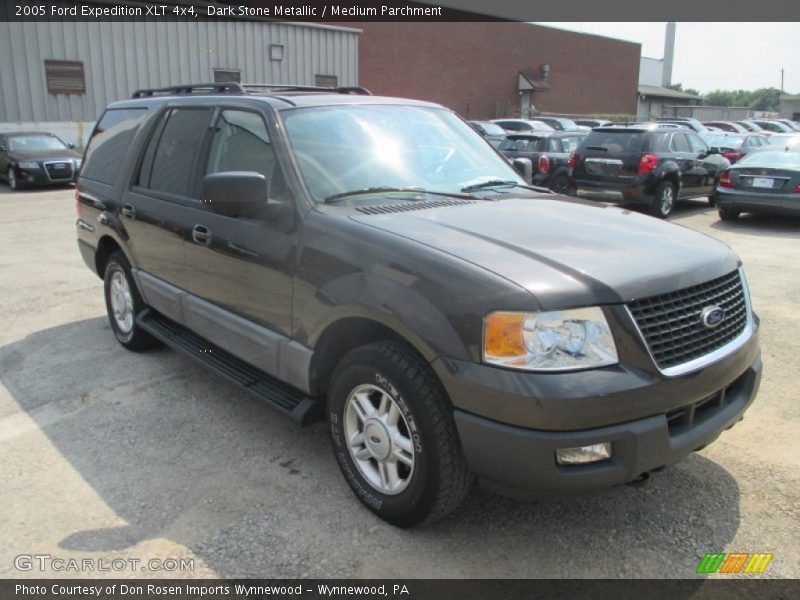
x=227, y=76
x=64, y=77
x=276, y=51
x=328, y=81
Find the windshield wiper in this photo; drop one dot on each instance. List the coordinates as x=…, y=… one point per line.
x=332, y=199
x=499, y=183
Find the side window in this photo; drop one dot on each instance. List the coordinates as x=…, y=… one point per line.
x=108, y=146
x=170, y=156
x=241, y=143
x=698, y=146
x=659, y=142
x=679, y=143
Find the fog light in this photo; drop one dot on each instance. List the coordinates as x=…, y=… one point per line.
x=584, y=454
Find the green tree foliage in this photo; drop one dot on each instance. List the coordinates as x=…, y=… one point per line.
x=767, y=99
x=679, y=87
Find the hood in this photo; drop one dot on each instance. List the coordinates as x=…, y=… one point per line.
x=567, y=252
x=64, y=155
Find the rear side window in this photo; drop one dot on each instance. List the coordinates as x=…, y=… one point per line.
x=614, y=141
x=108, y=146
x=171, y=154
x=680, y=143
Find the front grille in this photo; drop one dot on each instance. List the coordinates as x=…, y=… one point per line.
x=59, y=170
x=671, y=323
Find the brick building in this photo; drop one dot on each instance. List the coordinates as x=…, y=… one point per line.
x=487, y=70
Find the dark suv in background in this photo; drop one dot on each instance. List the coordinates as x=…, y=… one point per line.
x=649, y=164
x=374, y=263
x=549, y=154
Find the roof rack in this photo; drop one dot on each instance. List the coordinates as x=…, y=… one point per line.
x=191, y=88
x=287, y=87
x=231, y=87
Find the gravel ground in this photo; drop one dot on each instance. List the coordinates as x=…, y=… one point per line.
x=110, y=454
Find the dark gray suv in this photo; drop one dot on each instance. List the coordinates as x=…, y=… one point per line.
x=374, y=263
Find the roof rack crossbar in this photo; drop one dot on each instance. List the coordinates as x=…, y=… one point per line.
x=190, y=88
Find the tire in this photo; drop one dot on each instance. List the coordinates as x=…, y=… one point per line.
x=13, y=182
x=123, y=303
x=385, y=383
x=727, y=214
x=560, y=184
x=663, y=200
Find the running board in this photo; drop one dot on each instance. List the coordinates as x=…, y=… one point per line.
x=300, y=407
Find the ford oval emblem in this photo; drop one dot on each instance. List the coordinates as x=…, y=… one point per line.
x=712, y=316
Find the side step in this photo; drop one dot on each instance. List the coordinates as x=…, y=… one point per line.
x=303, y=409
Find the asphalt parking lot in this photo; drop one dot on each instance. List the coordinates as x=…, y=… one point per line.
x=110, y=454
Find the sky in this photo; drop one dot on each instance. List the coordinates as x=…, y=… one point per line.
x=711, y=56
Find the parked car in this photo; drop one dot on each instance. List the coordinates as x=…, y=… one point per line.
x=557, y=123
x=592, y=123
x=652, y=165
x=692, y=124
x=750, y=126
x=549, y=153
x=33, y=158
x=493, y=133
x=793, y=125
x=522, y=125
x=734, y=146
x=726, y=126
x=374, y=263
x=767, y=181
x=772, y=126
x=784, y=139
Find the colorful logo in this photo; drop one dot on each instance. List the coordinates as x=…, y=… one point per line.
x=735, y=562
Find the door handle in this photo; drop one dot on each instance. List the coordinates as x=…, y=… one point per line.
x=129, y=211
x=201, y=235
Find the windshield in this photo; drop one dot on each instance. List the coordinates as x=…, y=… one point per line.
x=771, y=159
x=725, y=141
x=35, y=143
x=348, y=148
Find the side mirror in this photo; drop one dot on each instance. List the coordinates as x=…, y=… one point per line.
x=71, y=146
x=235, y=193
x=524, y=167
x=713, y=150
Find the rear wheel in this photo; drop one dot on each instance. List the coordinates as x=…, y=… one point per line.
x=123, y=303
x=727, y=214
x=560, y=184
x=664, y=200
x=394, y=436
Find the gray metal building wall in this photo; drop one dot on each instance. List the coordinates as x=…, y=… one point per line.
x=120, y=57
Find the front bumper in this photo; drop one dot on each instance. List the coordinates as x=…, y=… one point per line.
x=780, y=204
x=521, y=462
x=511, y=422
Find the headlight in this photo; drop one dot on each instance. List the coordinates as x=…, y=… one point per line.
x=559, y=340
x=28, y=164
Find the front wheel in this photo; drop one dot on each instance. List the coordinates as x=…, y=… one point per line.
x=664, y=200
x=394, y=436
x=13, y=183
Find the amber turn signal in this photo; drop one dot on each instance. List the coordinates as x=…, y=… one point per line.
x=502, y=335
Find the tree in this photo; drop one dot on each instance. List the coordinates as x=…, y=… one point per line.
x=767, y=99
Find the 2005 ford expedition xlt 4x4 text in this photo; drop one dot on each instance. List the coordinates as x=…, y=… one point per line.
x=373, y=262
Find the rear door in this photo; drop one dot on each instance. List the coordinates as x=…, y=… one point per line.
x=154, y=208
x=687, y=162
